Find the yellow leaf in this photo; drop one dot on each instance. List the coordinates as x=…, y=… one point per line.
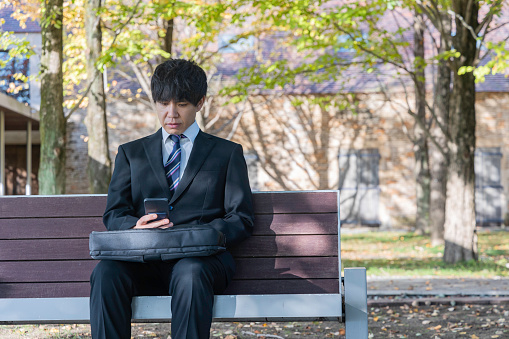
x=375, y=319
x=473, y=336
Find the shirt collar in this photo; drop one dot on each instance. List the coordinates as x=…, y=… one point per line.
x=191, y=132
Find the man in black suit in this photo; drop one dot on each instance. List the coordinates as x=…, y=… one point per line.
x=209, y=186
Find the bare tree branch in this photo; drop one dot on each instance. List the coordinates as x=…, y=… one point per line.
x=237, y=120
x=142, y=79
x=339, y=28
x=495, y=28
x=464, y=23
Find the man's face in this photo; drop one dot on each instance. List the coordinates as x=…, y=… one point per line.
x=176, y=117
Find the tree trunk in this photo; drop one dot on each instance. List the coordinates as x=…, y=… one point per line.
x=438, y=162
x=99, y=162
x=460, y=235
x=421, y=170
x=168, y=38
x=321, y=152
x=52, y=119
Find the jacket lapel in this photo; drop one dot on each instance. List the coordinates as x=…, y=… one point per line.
x=153, y=151
x=203, y=144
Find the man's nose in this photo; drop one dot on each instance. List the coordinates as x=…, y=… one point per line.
x=172, y=110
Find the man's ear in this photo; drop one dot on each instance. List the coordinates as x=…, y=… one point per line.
x=200, y=103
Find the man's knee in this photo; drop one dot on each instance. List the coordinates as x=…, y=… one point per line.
x=190, y=272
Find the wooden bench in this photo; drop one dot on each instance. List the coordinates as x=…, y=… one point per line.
x=288, y=270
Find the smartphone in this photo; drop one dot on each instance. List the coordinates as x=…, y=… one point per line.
x=157, y=206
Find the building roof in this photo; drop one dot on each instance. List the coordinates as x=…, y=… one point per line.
x=12, y=25
x=17, y=114
x=353, y=80
x=494, y=83
x=356, y=80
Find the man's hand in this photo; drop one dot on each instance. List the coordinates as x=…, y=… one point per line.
x=146, y=221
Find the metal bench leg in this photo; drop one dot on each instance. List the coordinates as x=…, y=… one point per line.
x=356, y=303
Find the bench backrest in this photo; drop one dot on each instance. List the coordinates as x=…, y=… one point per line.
x=44, y=245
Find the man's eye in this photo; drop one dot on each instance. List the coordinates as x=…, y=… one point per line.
x=182, y=104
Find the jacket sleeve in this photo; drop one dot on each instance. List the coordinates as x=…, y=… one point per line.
x=120, y=213
x=237, y=223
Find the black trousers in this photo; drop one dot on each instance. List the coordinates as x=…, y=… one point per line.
x=192, y=283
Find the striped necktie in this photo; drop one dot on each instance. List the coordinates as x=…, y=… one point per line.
x=172, y=166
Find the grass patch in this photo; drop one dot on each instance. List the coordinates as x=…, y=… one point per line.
x=408, y=254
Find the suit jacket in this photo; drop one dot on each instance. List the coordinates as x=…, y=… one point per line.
x=214, y=189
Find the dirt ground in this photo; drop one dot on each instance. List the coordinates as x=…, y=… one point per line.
x=442, y=321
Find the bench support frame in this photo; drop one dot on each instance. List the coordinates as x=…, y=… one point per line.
x=356, y=303
x=278, y=307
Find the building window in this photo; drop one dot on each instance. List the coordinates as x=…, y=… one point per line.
x=488, y=189
x=359, y=185
x=10, y=83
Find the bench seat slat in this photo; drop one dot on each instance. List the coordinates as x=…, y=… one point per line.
x=288, y=224
x=286, y=268
x=288, y=245
x=47, y=228
x=62, y=228
x=93, y=205
x=286, y=286
x=46, y=271
x=45, y=290
x=44, y=249
x=295, y=202
x=82, y=289
x=56, y=206
x=256, y=246
x=247, y=268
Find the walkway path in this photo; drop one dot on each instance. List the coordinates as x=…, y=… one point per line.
x=387, y=286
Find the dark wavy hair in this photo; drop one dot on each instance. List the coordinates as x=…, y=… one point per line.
x=178, y=80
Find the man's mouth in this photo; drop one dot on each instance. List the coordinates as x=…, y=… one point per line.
x=172, y=124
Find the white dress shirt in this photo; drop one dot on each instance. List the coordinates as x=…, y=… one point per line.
x=186, y=145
